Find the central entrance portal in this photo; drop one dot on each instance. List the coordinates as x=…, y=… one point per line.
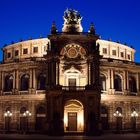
x=73, y=116
x=72, y=121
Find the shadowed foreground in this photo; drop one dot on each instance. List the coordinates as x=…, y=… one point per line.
x=45, y=137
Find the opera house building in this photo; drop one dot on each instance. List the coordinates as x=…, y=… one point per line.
x=71, y=81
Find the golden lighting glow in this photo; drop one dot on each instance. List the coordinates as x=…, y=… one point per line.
x=74, y=106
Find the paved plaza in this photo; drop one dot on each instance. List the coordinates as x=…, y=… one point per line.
x=45, y=137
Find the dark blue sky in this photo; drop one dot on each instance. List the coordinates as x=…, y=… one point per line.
x=115, y=19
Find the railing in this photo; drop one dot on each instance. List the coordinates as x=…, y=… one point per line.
x=24, y=92
x=40, y=91
x=118, y=92
x=73, y=88
x=104, y=91
x=7, y=92
x=133, y=94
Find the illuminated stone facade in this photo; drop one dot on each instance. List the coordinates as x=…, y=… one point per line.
x=69, y=82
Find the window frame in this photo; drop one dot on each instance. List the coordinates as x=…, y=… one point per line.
x=25, y=52
x=115, y=52
x=34, y=49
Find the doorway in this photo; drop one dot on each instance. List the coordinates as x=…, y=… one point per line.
x=72, y=121
x=72, y=83
x=73, y=116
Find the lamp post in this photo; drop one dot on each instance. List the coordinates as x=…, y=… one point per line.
x=7, y=115
x=27, y=114
x=134, y=115
x=118, y=116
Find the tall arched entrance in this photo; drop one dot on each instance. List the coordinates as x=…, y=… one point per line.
x=73, y=116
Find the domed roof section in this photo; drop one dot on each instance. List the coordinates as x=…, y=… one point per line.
x=72, y=21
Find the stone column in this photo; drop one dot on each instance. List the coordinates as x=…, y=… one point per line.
x=20, y=52
x=125, y=54
x=118, y=51
x=125, y=79
x=14, y=79
x=2, y=82
x=138, y=83
x=34, y=79
x=127, y=82
x=109, y=79
x=89, y=74
x=125, y=73
x=30, y=82
x=14, y=84
x=112, y=78
x=17, y=80
x=112, y=82
x=31, y=49
x=109, y=50
x=57, y=73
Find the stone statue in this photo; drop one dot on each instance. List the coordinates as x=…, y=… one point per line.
x=72, y=21
x=72, y=16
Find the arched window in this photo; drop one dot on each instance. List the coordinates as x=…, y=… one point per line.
x=103, y=82
x=23, y=110
x=8, y=115
x=132, y=84
x=23, y=121
x=8, y=83
x=118, y=118
x=41, y=82
x=40, y=118
x=119, y=109
x=117, y=83
x=104, y=117
x=25, y=82
x=8, y=109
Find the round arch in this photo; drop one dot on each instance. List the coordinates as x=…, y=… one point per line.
x=24, y=82
x=132, y=84
x=119, y=123
x=104, y=117
x=103, y=79
x=40, y=117
x=23, y=120
x=117, y=82
x=72, y=77
x=8, y=83
x=41, y=81
x=73, y=116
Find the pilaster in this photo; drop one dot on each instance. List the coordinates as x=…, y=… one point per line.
x=138, y=83
x=112, y=78
x=125, y=81
x=34, y=79
x=57, y=73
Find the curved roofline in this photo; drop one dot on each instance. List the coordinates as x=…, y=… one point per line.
x=110, y=41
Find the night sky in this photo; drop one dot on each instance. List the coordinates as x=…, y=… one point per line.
x=115, y=19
